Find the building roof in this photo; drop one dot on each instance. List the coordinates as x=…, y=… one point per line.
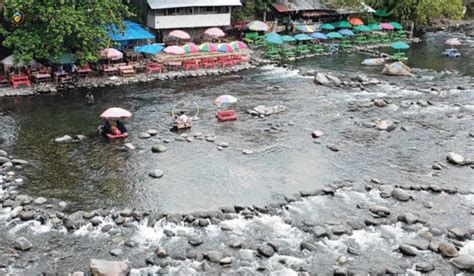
x=165, y=4
x=299, y=5
x=132, y=31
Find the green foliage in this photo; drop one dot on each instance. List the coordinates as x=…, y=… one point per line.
x=250, y=8
x=52, y=28
x=421, y=11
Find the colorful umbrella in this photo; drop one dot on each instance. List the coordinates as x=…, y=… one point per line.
x=191, y=48
x=334, y=35
x=363, y=28
x=111, y=53
x=453, y=42
x=400, y=45
x=208, y=47
x=115, y=113
x=238, y=45
x=150, y=49
x=180, y=35
x=225, y=48
x=302, y=37
x=304, y=29
x=327, y=26
x=225, y=99
x=346, y=32
x=356, y=21
x=318, y=36
x=375, y=27
x=258, y=26
x=396, y=25
x=386, y=26
x=343, y=24
x=174, y=50
x=287, y=38
x=214, y=32
x=381, y=13
x=273, y=38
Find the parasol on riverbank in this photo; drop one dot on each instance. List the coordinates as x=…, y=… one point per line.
x=225, y=100
x=208, y=47
x=400, y=45
x=182, y=35
x=343, y=24
x=386, y=26
x=287, y=38
x=356, y=21
x=273, y=38
x=304, y=29
x=238, y=45
x=115, y=113
x=318, y=36
x=258, y=26
x=149, y=49
x=191, y=48
x=346, y=32
x=327, y=26
x=225, y=48
x=396, y=25
x=363, y=28
x=214, y=32
x=111, y=54
x=174, y=50
x=375, y=27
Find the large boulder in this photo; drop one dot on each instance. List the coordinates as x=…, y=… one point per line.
x=464, y=262
x=22, y=244
x=326, y=79
x=373, y=61
x=108, y=268
x=396, y=69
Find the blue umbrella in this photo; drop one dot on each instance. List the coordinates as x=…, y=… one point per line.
x=273, y=38
x=399, y=45
x=288, y=38
x=149, y=49
x=318, y=36
x=301, y=37
x=346, y=32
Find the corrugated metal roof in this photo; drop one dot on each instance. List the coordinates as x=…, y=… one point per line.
x=280, y=8
x=301, y=5
x=165, y=4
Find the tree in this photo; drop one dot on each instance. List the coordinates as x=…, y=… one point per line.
x=52, y=28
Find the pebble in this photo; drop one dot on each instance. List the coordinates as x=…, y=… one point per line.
x=40, y=200
x=380, y=210
x=458, y=233
x=180, y=139
x=407, y=250
x=161, y=252
x=333, y=148
x=247, y=152
x=27, y=215
x=195, y=241
x=448, y=250
x=130, y=146
x=424, y=267
x=116, y=252
x=144, y=135
x=214, y=256
x=266, y=251
x=455, y=158
x=400, y=194
x=308, y=245
x=211, y=139
x=317, y=134
x=464, y=262
x=156, y=173
x=225, y=261
x=190, y=139
x=152, y=132
x=158, y=148
x=62, y=204
x=223, y=144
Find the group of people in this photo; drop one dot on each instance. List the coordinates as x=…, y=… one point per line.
x=114, y=130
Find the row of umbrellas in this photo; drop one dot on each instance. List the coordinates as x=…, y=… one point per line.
x=211, y=32
x=274, y=38
x=347, y=24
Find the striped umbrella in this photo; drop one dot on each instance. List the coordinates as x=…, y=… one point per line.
x=238, y=45
x=191, y=48
x=304, y=29
x=214, y=32
x=208, y=47
x=327, y=26
x=258, y=26
x=225, y=48
x=225, y=100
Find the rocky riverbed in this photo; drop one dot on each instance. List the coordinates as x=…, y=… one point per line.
x=365, y=177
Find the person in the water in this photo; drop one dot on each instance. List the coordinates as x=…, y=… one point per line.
x=121, y=127
x=90, y=98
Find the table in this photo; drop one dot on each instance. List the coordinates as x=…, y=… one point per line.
x=58, y=75
x=42, y=77
x=17, y=80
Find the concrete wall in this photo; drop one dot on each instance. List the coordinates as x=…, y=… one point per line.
x=188, y=21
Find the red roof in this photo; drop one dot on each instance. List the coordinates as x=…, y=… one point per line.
x=280, y=8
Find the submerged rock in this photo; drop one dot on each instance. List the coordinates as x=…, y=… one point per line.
x=22, y=244
x=63, y=139
x=108, y=268
x=158, y=148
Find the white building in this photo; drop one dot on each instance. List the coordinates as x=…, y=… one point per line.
x=182, y=14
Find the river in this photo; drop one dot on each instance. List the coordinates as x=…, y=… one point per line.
x=95, y=174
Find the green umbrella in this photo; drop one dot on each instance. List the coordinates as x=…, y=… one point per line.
x=67, y=58
x=375, y=27
x=363, y=28
x=327, y=26
x=381, y=13
x=396, y=26
x=343, y=24
x=334, y=35
x=400, y=45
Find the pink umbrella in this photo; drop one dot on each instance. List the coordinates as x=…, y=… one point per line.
x=115, y=113
x=214, y=32
x=386, y=26
x=180, y=35
x=111, y=53
x=174, y=50
x=453, y=42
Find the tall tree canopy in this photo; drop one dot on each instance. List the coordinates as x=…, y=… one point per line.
x=421, y=11
x=52, y=28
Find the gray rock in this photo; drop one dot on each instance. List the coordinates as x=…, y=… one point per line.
x=319, y=231
x=448, y=250
x=385, y=191
x=419, y=243
x=40, y=200
x=266, y=251
x=108, y=268
x=81, y=137
x=247, y=152
x=3, y=153
x=156, y=173
x=152, y=132
x=130, y=146
x=169, y=233
x=16, y=211
x=214, y=256
x=424, y=267
x=116, y=252
x=380, y=103
x=333, y=147
x=458, y=233
x=408, y=218
x=356, y=225
x=4, y=159
x=20, y=162
x=308, y=245
x=27, y=215
x=225, y=261
x=158, y=148
x=455, y=159
x=195, y=241
x=211, y=139
x=63, y=139
x=144, y=135
x=464, y=262
x=380, y=210
x=400, y=194
x=22, y=244
x=407, y=250
x=161, y=252
x=317, y=134
x=385, y=125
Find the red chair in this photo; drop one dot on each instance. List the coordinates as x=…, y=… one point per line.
x=208, y=62
x=225, y=61
x=190, y=64
x=227, y=115
x=152, y=68
x=20, y=80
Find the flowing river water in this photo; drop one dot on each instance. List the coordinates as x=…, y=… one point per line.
x=94, y=174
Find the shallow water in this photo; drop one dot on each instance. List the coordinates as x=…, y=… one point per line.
x=96, y=174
